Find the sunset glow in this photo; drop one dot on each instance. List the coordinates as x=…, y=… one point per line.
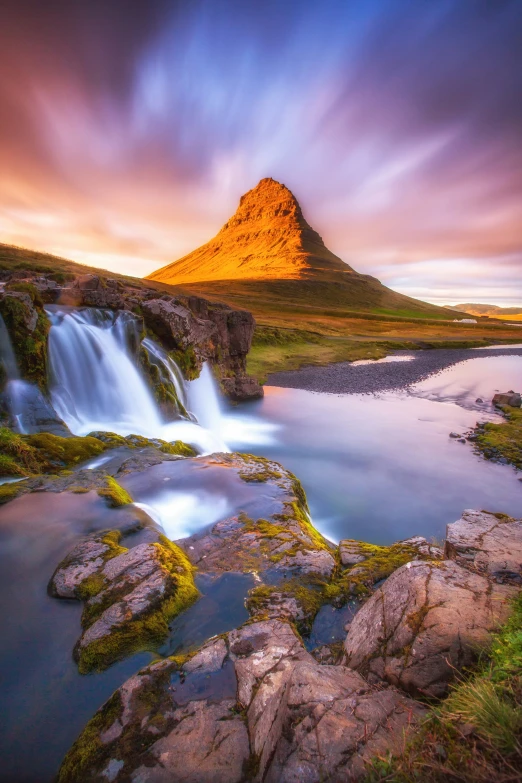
x=128, y=132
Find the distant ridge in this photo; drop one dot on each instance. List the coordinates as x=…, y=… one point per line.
x=486, y=309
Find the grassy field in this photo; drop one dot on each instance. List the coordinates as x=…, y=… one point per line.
x=310, y=321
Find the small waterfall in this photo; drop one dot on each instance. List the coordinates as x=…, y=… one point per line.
x=96, y=382
x=167, y=367
x=203, y=399
x=19, y=395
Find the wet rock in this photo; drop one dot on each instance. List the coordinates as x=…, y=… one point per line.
x=283, y=543
x=490, y=544
x=327, y=654
x=252, y=705
x=425, y=624
x=454, y=435
x=30, y=409
x=242, y=388
x=129, y=595
x=507, y=398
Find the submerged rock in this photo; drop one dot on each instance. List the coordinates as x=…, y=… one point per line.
x=426, y=623
x=489, y=543
x=129, y=594
x=252, y=705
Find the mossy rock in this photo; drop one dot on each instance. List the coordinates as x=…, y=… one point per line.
x=30, y=345
x=114, y=494
x=502, y=441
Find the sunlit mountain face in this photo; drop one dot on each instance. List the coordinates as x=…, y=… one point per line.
x=128, y=132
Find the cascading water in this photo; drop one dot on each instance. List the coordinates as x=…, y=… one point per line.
x=96, y=383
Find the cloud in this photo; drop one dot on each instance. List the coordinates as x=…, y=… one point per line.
x=128, y=133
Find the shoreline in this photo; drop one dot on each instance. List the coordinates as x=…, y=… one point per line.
x=345, y=378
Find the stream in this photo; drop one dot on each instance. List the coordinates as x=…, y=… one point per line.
x=378, y=467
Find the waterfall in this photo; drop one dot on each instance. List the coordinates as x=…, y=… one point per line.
x=96, y=382
x=21, y=397
x=7, y=355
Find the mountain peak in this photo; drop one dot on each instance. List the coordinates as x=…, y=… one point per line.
x=267, y=237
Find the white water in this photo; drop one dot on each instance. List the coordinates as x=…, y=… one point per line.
x=96, y=383
x=17, y=392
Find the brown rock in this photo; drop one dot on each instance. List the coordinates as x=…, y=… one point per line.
x=424, y=624
x=490, y=544
x=507, y=398
x=292, y=719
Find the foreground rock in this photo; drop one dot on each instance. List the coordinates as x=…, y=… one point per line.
x=252, y=705
x=490, y=544
x=511, y=398
x=426, y=623
x=129, y=594
x=282, y=544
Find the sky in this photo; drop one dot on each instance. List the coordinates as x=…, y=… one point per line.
x=129, y=131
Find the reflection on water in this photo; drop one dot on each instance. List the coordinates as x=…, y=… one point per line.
x=382, y=468
x=330, y=625
x=476, y=379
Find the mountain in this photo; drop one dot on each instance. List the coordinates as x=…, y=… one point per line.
x=267, y=250
x=486, y=309
x=267, y=238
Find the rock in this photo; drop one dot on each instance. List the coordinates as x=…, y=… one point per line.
x=282, y=543
x=129, y=595
x=22, y=302
x=327, y=654
x=350, y=552
x=490, y=544
x=96, y=291
x=30, y=409
x=454, y=435
x=178, y=326
x=251, y=705
x=424, y=548
x=479, y=400
x=242, y=388
x=425, y=624
x=507, y=398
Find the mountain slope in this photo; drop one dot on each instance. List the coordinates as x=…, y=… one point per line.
x=485, y=309
x=267, y=237
x=268, y=252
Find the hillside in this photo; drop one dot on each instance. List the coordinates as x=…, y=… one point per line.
x=271, y=253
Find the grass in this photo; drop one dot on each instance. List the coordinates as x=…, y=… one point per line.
x=475, y=735
x=276, y=349
x=503, y=440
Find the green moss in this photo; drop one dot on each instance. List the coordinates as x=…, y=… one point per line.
x=380, y=563
x=115, y=495
x=504, y=440
x=30, y=347
x=8, y=492
x=179, y=448
x=187, y=362
x=54, y=450
x=151, y=629
x=88, y=748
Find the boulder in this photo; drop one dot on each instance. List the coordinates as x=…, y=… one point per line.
x=129, y=594
x=242, y=388
x=178, y=326
x=94, y=291
x=426, y=623
x=20, y=303
x=507, y=398
x=251, y=705
x=490, y=544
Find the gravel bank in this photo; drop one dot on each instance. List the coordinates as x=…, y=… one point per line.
x=345, y=378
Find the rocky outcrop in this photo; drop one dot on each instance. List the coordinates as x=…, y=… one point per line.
x=28, y=327
x=195, y=329
x=281, y=544
x=252, y=705
x=511, y=398
x=427, y=622
x=490, y=544
x=129, y=594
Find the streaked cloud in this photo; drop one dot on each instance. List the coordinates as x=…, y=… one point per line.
x=128, y=132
